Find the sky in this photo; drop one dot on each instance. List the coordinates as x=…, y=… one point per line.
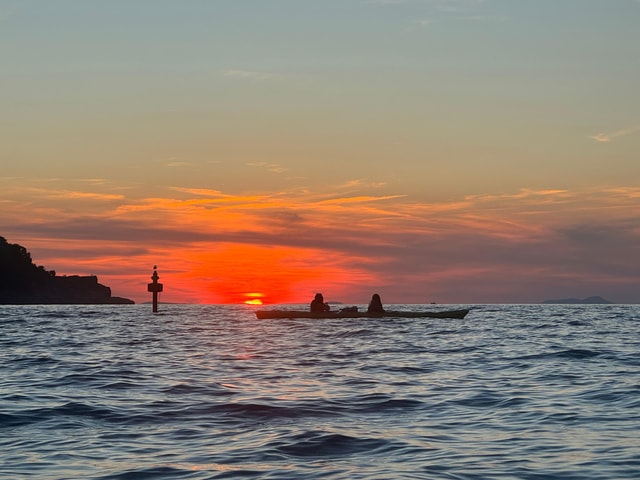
x=449, y=151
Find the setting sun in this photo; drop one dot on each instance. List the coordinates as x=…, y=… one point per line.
x=253, y=298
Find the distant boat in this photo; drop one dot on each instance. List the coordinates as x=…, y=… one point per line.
x=350, y=313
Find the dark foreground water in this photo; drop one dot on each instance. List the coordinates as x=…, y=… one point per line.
x=208, y=392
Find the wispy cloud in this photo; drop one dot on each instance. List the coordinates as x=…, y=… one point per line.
x=419, y=24
x=177, y=162
x=49, y=194
x=94, y=181
x=360, y=183
x=360, y=199
x=483, y=18
x=440, y=11
x=428, y=22
x=204, y=192
x=250, y=74
x=75, y=195
x=610, y=137
x=271, y=167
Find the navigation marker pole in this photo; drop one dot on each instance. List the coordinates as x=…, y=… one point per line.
x=155, y=287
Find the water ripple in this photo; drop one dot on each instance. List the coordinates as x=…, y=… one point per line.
x=206, y=391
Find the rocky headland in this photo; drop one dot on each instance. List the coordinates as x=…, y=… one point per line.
x=595, y=300
x=24, y=283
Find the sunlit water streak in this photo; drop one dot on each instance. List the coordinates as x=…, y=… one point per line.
x=204, y=392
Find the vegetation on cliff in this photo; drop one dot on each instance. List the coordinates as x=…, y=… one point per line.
x=23, y=282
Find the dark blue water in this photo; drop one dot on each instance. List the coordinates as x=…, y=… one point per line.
x=208, y=392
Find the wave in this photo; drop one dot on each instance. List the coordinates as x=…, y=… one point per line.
x=570, y=353
x=318, y=444
x=76, y=411
x=152, y=473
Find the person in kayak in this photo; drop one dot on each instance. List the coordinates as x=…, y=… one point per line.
x=318, y=305
x=375, y=305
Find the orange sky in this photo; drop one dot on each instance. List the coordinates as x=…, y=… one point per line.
x=212, y=247
x=457, y=151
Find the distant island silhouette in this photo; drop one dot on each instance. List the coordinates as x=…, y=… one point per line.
x=595, y=300
x=24, y=283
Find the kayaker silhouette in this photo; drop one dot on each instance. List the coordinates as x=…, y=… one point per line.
x=375, y=305
x=318, y=305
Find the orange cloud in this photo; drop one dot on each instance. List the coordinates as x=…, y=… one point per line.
x=610, y=137
x=216, y=247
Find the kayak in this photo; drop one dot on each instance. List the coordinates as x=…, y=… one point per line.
x=350, y=313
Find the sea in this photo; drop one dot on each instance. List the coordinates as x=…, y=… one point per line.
x=210, y=392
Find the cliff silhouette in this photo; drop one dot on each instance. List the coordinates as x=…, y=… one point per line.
x=24, y=283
